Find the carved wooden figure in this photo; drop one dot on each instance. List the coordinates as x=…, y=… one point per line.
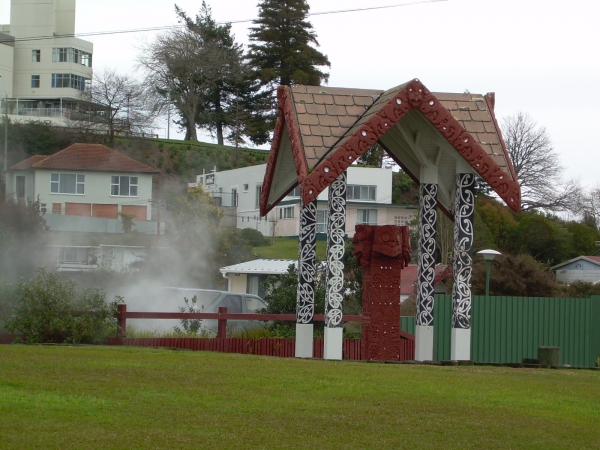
x=383, y=251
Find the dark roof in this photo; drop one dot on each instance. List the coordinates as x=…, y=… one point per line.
x=89, y=157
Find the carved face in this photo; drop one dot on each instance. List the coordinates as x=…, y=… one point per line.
x=388, y=240
x=363, y=244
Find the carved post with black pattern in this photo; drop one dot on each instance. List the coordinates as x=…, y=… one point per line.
x=426, y=272
x=336, y=229
x=464, y=211
x=305, y=299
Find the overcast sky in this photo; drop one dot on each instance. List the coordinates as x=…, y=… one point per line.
x=540, y=57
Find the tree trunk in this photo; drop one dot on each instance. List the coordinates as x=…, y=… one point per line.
x=219, y=133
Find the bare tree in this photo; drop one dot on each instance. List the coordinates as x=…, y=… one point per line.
x=171, y=61
x=118, y=104
x=537, y=167
x=201, y=71
x=590, y=210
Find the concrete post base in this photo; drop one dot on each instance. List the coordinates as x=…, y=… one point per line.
x=423, y=343
x=304, y=340
x=460, y=344
x=333, y=343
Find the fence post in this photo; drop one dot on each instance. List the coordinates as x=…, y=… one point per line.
x=121, y=320
x=222, y=327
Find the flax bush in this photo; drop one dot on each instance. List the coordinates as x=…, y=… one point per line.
x=48, y=309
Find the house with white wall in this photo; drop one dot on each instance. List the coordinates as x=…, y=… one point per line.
x=582, y=268
x=248, y=277
x=84, y=181
x=369, y=201
x=43, y=78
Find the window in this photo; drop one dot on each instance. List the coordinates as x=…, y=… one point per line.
x=359, y=192
x=43, y=208
x=366, y=217
x=321, y=221
x=72, y=55
x=60, y=80
x=253, y=304
x=86, y=59
x=286, y=213
x=233, y=303
x=295, y=193
x=209, y=179
x=20, y=186
x=124, y=186
x=36, y=56
x=66, y=80
x=35, y=81
x=67, y=183
x=245, y=188
x=59, y=54
x=73, y=255
x=258, y=192
x=234, y=197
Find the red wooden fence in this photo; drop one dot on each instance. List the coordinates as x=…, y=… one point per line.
x=283, y=347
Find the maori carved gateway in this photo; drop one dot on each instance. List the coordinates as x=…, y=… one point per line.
x=383, y=251
x=441, y=140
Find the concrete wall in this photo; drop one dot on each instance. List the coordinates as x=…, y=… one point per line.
x=43, y=18
x=237, y=282
x=6, y=70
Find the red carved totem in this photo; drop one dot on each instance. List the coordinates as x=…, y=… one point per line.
x=383, y=251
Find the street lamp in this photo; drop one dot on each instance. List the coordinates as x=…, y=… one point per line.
x=489, y=256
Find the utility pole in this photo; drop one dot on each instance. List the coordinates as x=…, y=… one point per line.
x=5, y=166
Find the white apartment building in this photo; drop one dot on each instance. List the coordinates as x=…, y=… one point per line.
x=43, y=68
x=369, y=201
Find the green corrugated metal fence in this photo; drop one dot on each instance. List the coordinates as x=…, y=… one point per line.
x=508, y=329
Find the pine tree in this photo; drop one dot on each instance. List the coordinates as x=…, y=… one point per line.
x=280, y=45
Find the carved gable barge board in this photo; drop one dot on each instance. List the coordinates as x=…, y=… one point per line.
x=446, y=114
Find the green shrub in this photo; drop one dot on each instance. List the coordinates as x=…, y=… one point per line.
x=254, y=238
x=49, y=309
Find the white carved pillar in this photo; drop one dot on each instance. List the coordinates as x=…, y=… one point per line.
x=336, y=229
x=305, y=299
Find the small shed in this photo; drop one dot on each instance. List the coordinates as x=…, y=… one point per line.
x=582, y=268
x=247, y=277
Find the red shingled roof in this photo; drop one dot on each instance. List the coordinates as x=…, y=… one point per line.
x=24, y=165
x=90, y=157
x=409, y=275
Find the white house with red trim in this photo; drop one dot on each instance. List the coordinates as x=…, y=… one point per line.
x=85, y=181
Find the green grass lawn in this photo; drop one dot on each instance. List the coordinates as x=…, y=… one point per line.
x=287, y=248
x=89, y=397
